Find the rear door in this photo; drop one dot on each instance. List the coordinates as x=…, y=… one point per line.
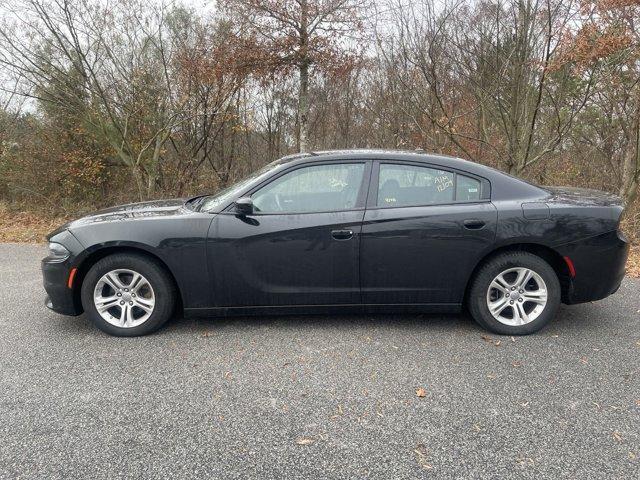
x=425, y=228
x=300, y=247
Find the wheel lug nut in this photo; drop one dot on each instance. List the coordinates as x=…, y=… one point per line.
x=130, y=303
x=511, y=302
x=521, y=299
x=521, y=291
x=133, y=294
x=508, y=294
x=122, y=303
x=126, y=289
x=119, y=294
x=513, y=288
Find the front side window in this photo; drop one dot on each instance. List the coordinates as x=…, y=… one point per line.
x=318, y=188
x=404, y=185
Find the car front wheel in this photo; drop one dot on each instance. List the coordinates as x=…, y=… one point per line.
x=128, y=295
x=514, y=293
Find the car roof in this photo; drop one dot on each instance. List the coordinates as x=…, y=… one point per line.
x=376, y=154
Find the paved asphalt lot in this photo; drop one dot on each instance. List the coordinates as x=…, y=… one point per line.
x=315, y=397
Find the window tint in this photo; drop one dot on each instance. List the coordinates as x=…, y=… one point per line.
x=412, y=185
x=467, y=188
x=319, y=188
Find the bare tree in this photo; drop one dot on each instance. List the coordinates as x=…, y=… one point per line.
x=481, y=74
x=608, y=39
x=107, y=62
x=302, y=34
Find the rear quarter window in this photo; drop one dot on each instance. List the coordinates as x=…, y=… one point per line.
x=467, y=189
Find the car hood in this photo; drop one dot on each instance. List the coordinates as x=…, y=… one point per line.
x=583, y=197
x=132, y=211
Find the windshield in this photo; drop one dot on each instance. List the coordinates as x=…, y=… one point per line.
x=230, y=193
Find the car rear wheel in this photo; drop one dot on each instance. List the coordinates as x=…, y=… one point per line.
x=128, y=295
x=514, y=293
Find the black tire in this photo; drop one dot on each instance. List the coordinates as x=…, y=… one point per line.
x=163, y=287
x=477, y=298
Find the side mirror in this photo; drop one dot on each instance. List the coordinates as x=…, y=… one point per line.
x=244, y=206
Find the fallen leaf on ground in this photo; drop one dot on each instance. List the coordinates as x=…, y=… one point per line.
x=617, y=436
x=488, y=339
x=516, y=364
x=584, y=360
x=421, y=454
x=421, y=392
x=305, y=441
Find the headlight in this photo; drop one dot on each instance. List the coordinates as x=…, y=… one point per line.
x=58, y=252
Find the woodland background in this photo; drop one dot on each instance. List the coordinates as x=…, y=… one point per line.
x=112, y=101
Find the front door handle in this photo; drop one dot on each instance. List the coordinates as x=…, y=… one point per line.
x=473, y=224
x=342, y=234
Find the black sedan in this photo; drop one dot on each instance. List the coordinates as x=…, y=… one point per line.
x=352, y=231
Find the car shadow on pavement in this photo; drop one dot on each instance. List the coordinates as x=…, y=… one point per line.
x=440, y=322
x=585, y=318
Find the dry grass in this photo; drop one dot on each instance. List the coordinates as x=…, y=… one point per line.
x=633, y=264
x=27, y=227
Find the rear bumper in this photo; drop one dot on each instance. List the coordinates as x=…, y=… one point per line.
x=599, y=264
x=60, y=298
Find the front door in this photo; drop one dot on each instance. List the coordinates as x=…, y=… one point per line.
x=423, y=234
x=301, y=245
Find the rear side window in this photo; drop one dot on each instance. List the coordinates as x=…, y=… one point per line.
x=404, y=185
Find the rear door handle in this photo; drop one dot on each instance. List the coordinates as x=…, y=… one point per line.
x=342, y=234
x=473, y=224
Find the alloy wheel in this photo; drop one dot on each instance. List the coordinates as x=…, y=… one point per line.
x=517, y=296
x=124, y=298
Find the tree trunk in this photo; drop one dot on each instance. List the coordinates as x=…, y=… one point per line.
x=303, y=108
x=303, y=93
x=631, y=164
x=630, y=174
x=136, y=173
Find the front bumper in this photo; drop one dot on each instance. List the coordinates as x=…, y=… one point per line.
x=60, y=298
x=600, y=266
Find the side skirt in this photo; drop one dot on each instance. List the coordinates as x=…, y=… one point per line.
x=324, y=309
